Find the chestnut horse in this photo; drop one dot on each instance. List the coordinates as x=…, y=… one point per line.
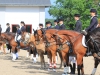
x=75, y=40
x=40, y=46
x=50, y=45
x=9, y=37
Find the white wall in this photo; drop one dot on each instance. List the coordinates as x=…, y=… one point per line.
x=2, y=18
x=42, y=15
x=14, y=15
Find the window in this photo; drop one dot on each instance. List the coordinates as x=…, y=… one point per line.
x=14, y=29
x=28, y=28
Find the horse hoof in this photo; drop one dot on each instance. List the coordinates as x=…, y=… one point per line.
x=49, y=69
x=54, y=70
x=13, y=59
x=16, y=58
x=64, y=74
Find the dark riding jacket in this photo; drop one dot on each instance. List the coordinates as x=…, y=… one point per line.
x=23, y=29
x=93, y=24
x=62, y=27
x=56, y=27
x=7, y=30
x=78, y=26
x=18, y=32
x=49, y=27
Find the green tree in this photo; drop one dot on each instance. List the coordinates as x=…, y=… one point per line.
x=67, y=8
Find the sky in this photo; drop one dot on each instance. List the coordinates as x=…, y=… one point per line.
x=46, y=10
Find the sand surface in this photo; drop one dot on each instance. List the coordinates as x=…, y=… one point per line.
x=25, y=66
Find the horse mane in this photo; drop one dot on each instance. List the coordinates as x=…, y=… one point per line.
x=68, y=33
x=94, y=32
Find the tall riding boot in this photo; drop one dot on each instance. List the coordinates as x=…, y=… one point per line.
x=74, y=66
x=18, y=42
x=71, y=68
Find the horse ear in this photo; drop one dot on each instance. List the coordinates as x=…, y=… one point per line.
x=43, y=31
x=33, y=30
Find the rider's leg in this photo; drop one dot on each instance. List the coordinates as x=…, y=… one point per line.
x=18, y=42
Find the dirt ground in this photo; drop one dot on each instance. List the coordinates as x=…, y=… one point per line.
x=25, y=66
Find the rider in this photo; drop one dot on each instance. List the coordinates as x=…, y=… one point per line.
x=62, y=26
x=41, y=26
x=18, y=33
x=8, y=28
x=48, y=25
x=93, y=22
x=56, y=24
x=78, y=24
x=23, y=29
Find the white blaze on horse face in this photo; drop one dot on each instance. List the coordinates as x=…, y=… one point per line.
x=94, y=70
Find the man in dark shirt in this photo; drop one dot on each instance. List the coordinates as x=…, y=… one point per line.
x=56, y=24
x=62, y=26
x=93, y=22
x=8, y=28
x=48, y=25
x=78, y=24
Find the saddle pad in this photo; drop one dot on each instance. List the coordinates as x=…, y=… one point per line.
x=83, y=41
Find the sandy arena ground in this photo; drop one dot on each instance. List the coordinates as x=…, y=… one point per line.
x=25, y=66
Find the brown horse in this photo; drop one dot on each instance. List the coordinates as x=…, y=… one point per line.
x=40, y=46
x=50, y=45
x=75, y=39
x=93, y=42
x=9, y=37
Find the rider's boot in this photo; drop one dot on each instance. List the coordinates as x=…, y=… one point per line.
x=18, y=46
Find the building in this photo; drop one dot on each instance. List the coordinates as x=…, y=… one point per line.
x=32, y=12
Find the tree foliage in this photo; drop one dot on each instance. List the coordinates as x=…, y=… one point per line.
x=67, y=8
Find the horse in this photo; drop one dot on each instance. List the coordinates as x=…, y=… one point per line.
x=2, y=44
x=9, y=37
x=93, y=42
x=75, y=39
x=40, y=46
x=50, y=46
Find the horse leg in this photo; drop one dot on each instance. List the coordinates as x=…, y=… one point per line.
x=95, y=66
x=96, y=56
x=4, y=48
x=53, y=60
x=60, y=59
x=79, y=64
x=42, y=60
x=0, y=49
x=27, y=54
x=50, y=60
x=65, y=59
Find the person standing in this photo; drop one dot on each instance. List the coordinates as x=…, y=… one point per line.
x=8, y=28
x=48, y=25
x=93, y=22
x=78, y=24
x=0, y=29
x=56, y=24
x=62, y=26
